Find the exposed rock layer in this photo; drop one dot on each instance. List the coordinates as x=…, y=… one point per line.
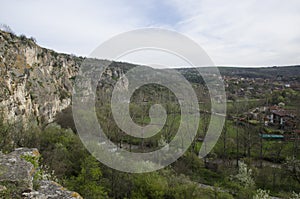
x=17, y=177
x=38, y=82
x=34, y=80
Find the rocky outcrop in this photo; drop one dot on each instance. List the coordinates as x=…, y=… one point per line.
x=34, y=80
x=16, y=172
x=37, y=83
x=50, y=189
x=18, y=177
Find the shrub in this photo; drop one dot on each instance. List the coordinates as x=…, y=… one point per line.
x=262, y=194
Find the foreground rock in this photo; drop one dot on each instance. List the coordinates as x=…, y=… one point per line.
x=50, y=189
x=17, y=172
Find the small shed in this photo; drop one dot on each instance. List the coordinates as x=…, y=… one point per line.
x=271, y=136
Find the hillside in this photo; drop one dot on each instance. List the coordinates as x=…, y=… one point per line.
x=286, y=72
x=34, y=81
x=37, y=82
x=36, y=87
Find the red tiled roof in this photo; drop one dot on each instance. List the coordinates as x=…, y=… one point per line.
x=282, y=113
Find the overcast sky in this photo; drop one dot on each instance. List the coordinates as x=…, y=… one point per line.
x=232, y=32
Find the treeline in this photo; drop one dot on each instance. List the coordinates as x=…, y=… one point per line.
x=76, y=169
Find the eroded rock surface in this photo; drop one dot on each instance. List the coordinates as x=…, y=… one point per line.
x=17, y=178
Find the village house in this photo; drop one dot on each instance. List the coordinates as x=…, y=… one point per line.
x=284, y=119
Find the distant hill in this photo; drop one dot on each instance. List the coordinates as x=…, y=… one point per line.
x=38, y=82
x=286, y=72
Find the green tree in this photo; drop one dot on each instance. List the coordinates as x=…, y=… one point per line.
x=88, y=182
x=150, y=185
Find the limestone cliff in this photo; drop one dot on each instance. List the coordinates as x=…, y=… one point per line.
x=38, y=82
x=34, y=80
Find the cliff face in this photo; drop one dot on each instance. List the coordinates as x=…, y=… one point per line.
x=34, y=81
x=38, y=82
